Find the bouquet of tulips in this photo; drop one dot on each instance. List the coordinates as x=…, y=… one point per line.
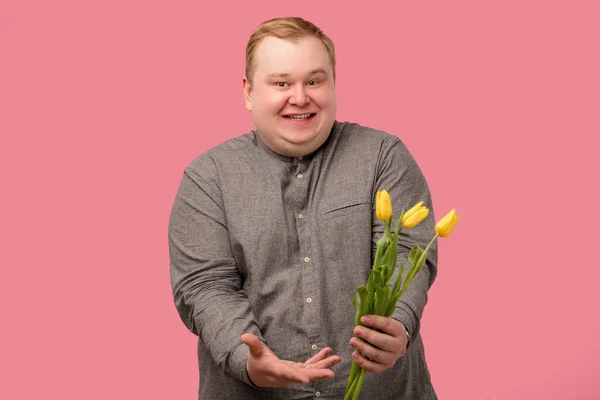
x=377, y=297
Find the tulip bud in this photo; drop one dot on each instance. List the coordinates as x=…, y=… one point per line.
x=445, y=225
x=383, y=206
x=415, y=215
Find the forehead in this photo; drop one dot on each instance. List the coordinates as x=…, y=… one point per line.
x=279, y=56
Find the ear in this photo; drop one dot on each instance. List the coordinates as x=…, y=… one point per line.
x=247, y=93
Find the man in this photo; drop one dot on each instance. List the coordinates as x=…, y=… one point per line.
x=271, y=233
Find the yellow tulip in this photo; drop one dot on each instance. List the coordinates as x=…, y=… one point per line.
x=383, y=206
x=415, y=215
x=445, y=225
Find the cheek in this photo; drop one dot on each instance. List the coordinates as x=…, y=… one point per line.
x=271, y=103
x=324, y=99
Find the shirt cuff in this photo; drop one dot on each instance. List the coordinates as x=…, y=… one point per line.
x=408, y=320
x=238, y=362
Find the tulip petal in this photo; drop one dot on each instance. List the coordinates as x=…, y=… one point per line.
x=383, y=206
x=413, y=209
x=415, y=218
x=446, y=225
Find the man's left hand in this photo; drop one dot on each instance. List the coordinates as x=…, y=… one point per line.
x=378, y=351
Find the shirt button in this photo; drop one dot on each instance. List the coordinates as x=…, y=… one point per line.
x=299, y=176
x=318, y=394
x=314, y=347
x=300, y=216
x=306, y=259
x=309, y=300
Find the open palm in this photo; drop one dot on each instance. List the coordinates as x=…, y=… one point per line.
x=265, y=369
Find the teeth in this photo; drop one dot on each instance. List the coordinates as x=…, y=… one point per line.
x=303, y=116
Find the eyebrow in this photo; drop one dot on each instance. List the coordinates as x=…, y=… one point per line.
x=285, y=74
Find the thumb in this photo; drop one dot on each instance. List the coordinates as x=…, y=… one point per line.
x=254, y=344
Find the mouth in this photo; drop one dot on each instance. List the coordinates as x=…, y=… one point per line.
x=299, y=117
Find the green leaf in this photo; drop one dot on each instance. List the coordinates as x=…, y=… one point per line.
x=371, y=282
x=391, y=265
x=382, y=295
x=367, y=307
x=356, y=301
x=398, y=282
x=361, y=301
x=385, y=259
x=378, y=277
x=415, y=254
x=392, y=305
x=421, y=260
x=382, y=246
x=362, y=292
x=415, y=269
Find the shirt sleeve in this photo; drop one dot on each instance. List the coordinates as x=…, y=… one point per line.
x=399, y=174
x=207, y=287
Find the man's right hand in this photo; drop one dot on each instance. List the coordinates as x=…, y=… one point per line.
x=265, y=369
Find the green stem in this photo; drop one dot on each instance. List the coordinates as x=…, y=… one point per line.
x=399, y=225
x=352, y=387
x=432, y=240
x=430, y=243
x=352, y=375
x=361, y=379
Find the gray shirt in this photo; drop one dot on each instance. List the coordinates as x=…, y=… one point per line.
x=276, y=246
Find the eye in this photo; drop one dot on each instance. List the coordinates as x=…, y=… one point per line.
x=281, y=84
x=313, y=83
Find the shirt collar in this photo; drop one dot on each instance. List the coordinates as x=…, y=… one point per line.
x=261, y=144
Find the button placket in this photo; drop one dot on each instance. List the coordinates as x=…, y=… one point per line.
x=300, y=175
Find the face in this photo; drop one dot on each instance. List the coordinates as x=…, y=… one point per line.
x=292, y=96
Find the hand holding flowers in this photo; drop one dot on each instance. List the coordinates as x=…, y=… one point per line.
x=378, y=348
x=376, y=302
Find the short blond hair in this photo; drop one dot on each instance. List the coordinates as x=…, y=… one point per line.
x=292, y=29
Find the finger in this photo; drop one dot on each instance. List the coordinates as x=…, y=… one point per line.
x=377, y=339
x=374, y=354
x=284, y=375
x=368, y=365
x=388, y=325
x=254, y=344
x=292, y=376
x=319, y=356
x=326, y=363
x=317, y=374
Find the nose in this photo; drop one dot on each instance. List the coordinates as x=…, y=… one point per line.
x=299, y=96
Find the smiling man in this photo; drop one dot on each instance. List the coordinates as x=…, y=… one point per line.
x=290, y=90
x=271, y=232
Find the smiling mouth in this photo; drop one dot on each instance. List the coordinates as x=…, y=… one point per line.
x=299, y=116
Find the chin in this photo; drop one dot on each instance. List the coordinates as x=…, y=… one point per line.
x=301, y=139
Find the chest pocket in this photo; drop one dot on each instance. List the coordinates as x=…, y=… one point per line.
x=343, y=207
x=345, y=230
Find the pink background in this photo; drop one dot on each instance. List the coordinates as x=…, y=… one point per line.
x=103, y=103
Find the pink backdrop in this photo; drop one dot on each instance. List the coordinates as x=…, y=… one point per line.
x=103, y=103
